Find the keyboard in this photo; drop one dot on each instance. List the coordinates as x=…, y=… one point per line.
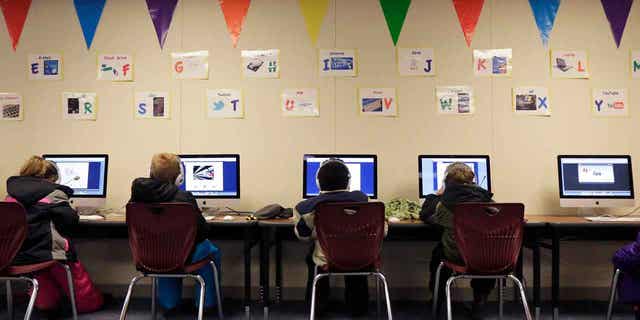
x=613, y=219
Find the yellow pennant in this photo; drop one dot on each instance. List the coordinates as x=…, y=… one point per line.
x=314, y=12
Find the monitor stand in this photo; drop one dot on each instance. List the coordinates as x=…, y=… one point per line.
x=591, y=211
x=88, y=202
x=218, y=205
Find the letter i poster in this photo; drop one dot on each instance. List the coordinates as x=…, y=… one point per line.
x=378, y=102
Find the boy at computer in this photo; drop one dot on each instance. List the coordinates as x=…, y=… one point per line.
x=459, y=186
x=333, y=179
x=162, y=186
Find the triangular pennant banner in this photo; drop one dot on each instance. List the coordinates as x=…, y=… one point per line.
x=468, y=14
x=15, y=14
x=89, y=13
x=234, y=13
x=617, y=12
x=161, y=12
x=544, y=11
x=395, y=11
x=314, y=12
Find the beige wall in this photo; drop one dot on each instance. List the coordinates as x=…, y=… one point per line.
x=522, y=149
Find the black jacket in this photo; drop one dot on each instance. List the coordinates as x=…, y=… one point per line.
x=147, y=190
x=49, y=216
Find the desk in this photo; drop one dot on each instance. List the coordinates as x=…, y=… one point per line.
x=114, y=227
x=578, y=228
x=276, y=230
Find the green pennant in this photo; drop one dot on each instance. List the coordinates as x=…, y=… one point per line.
x=395, y=11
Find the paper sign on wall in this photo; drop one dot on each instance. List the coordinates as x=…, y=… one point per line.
x=609, y=102
x=45, y=67
x=225, y=103
x=495, y=62
x=532, y=101
x=79, y=106
x=11, y=104
x=338, y=63
x=635, y=64
x=115, y=67
x=261, y=63
x=569, y=64
x=300, y=102
x=416, y=62
x=378, y=102
x=152, y=105
x=455, y=100
x=190, y=65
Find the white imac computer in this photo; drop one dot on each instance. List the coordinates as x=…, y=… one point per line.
x=595, y=181
x=86, y=174
x=431, y=169
x=213, y=179
x=363, y=169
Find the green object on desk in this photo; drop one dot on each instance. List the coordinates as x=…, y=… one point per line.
x=402, y=209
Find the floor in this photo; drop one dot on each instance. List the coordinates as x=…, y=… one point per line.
x=139, y=309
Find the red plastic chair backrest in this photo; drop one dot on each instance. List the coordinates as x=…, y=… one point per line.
x=162, y=235
x=489, y=235
x=13, y=231
x=350, y=234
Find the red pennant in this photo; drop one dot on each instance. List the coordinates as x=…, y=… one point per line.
x=468, y=14
x=234, y=13
x=15, y=14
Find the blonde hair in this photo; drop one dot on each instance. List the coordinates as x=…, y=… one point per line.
x=459, y=173
x=165, y=167
x=38, y=167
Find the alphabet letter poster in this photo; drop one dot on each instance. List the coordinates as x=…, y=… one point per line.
x=635, y=64
x=79, y=106
x=532, y=101
x=455, y=100
x=45, y=67
x=569, y=64
x=378, y=102
x=338, y=63
x=11, y=104
x=261, y=63
x=495, y=62
x=610, y=102
x=152, y=105
x=225, y=103
x=416, y=62
x=115, y=67
x=190, y=65
x=300, y=103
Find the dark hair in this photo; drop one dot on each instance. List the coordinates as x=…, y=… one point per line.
x=333, y=175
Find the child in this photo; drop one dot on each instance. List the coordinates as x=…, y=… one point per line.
x=458, y=187
x=627, y=259
x=333, y=180
x=162, y=186
x=50, y=218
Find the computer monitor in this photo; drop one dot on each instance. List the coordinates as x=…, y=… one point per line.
x=86, y=174
x=595, y=181
x=431, y=170
x=211, y=176
x=363, y=169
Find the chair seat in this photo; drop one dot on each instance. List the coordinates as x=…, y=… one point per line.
x=190, y=268
x=27, y=269
x=460, y=269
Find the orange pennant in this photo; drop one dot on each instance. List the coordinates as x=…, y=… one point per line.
x=234, y=13
x=15, y=14
x=468, y=13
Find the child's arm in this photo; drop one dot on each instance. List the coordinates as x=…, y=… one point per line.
x=304, y=228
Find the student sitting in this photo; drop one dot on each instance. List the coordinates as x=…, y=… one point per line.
x=333, y=180
x=49, y=218
x=162, y=186
x=627, y=259
x=458, y=187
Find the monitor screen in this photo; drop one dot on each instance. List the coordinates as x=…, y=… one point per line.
x=595, y=177
x=211, y=176
x=85, y=174
x=432, y=168
x=363, y=169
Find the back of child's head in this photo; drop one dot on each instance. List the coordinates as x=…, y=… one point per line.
x=165, y=167
x=38, y=167
x=459, y=173
x=333, y=175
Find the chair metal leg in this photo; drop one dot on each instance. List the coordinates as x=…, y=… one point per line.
x=72, y=291
x=313, y=294
x=523, y=296
x=217, y=286
x=434, y=308
x=32, y=300
x=127, y=299
x=386, y=293
x=612, y=294
x=378, y=305
x=447, y=292
x=9, y=299
x=500, y=298
x=154, y=298
x=202, y=293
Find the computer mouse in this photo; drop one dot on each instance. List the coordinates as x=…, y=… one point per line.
x=227, y=218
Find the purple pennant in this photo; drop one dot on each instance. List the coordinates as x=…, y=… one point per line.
x=161, y=12
x=617, y=12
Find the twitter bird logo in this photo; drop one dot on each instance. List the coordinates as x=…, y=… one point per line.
x=218, y=105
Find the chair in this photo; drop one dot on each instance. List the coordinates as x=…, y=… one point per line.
x=351, y=234
x=489, y=238
x=161, y=237
x=612, y=294
x=13, y=232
